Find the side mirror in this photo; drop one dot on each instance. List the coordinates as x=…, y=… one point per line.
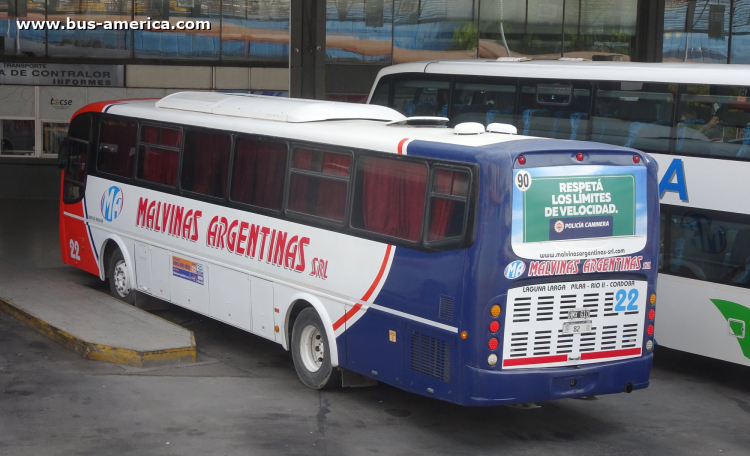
x=62, y=156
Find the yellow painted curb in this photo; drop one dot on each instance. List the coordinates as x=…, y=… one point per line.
x=101, y=352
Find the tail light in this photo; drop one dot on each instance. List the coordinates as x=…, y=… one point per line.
x=494, y=326
x=650, y=330
x=493, y=343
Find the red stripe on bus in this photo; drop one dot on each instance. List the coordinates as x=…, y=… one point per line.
x=401, y=145
x=100, y=105
x=347, y=316
x=611, y=353
x=379, y=276
x=535, y=360
x=369, y=292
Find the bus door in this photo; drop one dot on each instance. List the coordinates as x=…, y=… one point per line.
x=76, y=245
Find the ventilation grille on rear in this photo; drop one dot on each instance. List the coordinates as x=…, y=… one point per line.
x=446, y=308
x=431, y=356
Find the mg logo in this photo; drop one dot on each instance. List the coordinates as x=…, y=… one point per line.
x=515, y=269
x=111, y=205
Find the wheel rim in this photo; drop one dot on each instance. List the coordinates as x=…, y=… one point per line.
x=312, y=349
x=122, y=282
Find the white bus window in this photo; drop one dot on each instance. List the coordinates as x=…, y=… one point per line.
x=484, y=101
x=117, y=144
x=713, y=125
x=205, y=164
x=392, y=197
x=554, y=109
x=258, y=173
x=159, y=155
x=633, y=115
x=319, y=183
x=706, y=245
x=17, y=137
x=421, y=97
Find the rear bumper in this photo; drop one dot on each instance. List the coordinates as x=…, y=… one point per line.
x=502, y=387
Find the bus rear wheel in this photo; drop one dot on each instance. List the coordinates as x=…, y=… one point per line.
x=120, y=282
x=311, y=352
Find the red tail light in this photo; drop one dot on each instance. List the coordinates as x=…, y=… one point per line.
x=651, y=314
x=579, y=156
x=494, y=327
x=493, y=343
x=636, y=159
x=650, y=330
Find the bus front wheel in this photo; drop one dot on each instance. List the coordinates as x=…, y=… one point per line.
x=311, y=352
x=120, y=282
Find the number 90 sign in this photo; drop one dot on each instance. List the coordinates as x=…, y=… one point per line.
x=523, y=180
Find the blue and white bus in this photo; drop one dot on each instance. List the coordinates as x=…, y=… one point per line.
x=471, y=266
x=693, y=119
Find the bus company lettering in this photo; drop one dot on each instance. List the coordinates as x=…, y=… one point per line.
x=561, y=267
x=554, y=267
x=256, y=241
x=168, y=218
x=615, y=264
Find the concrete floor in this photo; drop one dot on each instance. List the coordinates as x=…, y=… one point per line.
x=243, y=397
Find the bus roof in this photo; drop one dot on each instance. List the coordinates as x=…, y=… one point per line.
x=306, y=120
x=680, y=73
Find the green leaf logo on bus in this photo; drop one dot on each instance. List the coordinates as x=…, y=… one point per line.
x=738, y=317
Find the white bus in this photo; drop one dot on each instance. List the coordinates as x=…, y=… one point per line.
x=363, y=244
x=693, y=119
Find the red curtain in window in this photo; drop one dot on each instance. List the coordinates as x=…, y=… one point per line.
x=332, y=194
x=170, y=138
x=150, y=134
x=210, y=164
x=259, y=173
x=442, y=209
x=300, y=184
x=393, y=197
x=117, y=153
x=160, y=165
x=269, y=182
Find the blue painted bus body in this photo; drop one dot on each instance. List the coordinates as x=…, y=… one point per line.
x=457, y=370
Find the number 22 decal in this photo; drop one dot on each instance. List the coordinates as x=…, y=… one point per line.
x=74, y=250
x=621, y=294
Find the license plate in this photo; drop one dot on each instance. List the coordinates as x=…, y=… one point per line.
x=577, y=327
x=579, y=314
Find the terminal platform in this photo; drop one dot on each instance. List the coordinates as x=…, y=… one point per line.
x=90, y=322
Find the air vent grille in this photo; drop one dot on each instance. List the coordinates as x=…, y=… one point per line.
x=446, y=308
x=431, y=356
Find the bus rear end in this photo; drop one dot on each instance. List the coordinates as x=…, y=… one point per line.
x=565, y=281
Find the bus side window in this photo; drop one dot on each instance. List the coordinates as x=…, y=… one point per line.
x=205, y=163
x=706, y=245
x=258, y=173
x=117, y=142
x=483, y=100
x=319, y=183
x=448, y=198
x=159, y=155
x=382, y=91
x=633, y=114
x=78, y=155
x=713, y=121
x=389, y=198
x=421, y=97
x=554, y=109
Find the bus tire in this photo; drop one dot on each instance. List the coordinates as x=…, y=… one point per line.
x=121, y=285
x=311, y=352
